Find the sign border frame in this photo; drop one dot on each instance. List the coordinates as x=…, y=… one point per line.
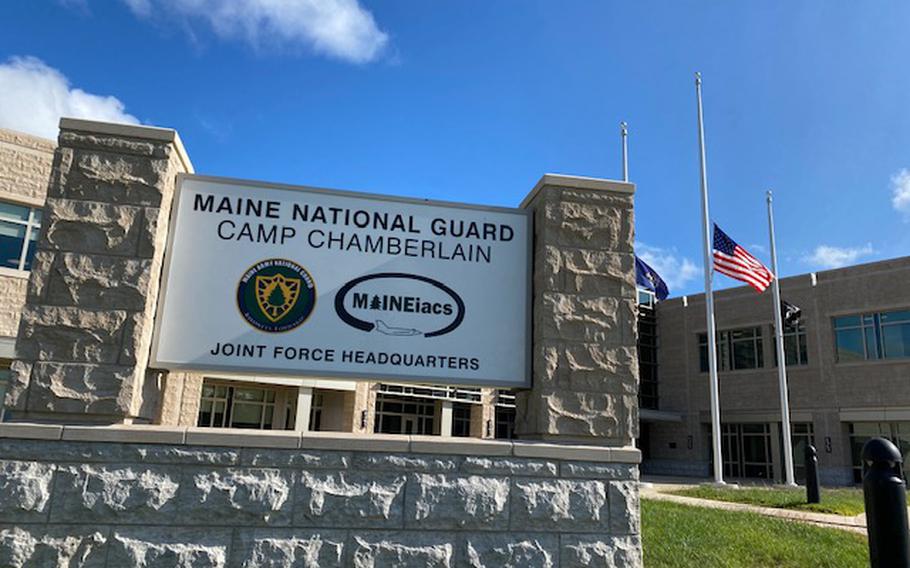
x=249, y=372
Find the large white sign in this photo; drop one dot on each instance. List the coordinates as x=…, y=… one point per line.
x=274, y=280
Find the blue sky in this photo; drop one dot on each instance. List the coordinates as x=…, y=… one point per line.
x=474, y=101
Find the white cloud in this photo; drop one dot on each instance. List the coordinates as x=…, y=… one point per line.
x=676, y=271
x=34, y=96
x=338, y=28
x=900, y=192
x=825, y=256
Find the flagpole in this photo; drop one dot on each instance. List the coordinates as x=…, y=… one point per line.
x=624, y=132
x=709, y=296
x=781, y=355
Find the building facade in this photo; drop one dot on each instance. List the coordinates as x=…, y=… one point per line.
x=848, y=367
x=25, y=168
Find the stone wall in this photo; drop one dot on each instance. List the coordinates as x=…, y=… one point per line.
x=199, y=497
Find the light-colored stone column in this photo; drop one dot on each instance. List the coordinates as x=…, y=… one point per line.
x=304, y=408
x=180, y=400
x=483, y=415
x=585, y=367
x=85, y=332
x=363, y=409
x=445, y=418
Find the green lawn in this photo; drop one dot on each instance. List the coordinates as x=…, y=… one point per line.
x=835, y=501
x=678, y=535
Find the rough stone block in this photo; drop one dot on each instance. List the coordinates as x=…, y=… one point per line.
x=156, y=547
x=61, y=546
x=575, y=414
x=150, y=237
x=245, y=496
x=113, y=143
x=288, y=549
x=296, y=459
x=123, y=495
x=116, y=178
x=401, y=550
x=17, y=387
x=58, y=333
x=584, y=222
x=595, y=470
x=564, y=505
x=586, y=551
x=625, y=508
x=80, y=388
x=570, y=317
x=91, y=228
x=341, y=499
x=38, y=276
x=510, y=550
x=403, y=462
x=98, y=282
x=25, y=490
x=448, y=502
x=509, y=466
x=184, y=455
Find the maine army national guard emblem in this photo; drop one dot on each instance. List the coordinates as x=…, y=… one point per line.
x=276, y=295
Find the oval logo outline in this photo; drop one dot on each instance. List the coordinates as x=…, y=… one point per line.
x=367, y=326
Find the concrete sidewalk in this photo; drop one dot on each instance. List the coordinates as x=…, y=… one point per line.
x=659, y=490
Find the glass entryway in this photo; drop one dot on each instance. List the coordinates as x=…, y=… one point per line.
x=401, y=415
x=861, y=432
x=747, y=450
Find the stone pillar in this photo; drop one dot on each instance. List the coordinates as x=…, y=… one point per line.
x=180, y=400
x=85, y=332
x=483, y=415
x=363, y=410
x=446, y=411
x=304, y=409
x=585, y=364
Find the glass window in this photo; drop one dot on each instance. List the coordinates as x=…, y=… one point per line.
x=398, y=415
x=19, y=227
x=861, y=432
x=647, y=357
x=736, y=349
x=873, y=336
x=461, y=420
x=227, y=406
x=795, y=345
x=505, y=422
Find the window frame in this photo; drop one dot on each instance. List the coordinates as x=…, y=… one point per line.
x=726, y=352
x=871, y=327
x=31, y=223
x=801, y=335
x=275, y=405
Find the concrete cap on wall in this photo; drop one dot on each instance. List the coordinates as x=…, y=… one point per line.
x=578, y=182
x=130, y=131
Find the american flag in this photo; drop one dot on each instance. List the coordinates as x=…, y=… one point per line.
x=734, y=261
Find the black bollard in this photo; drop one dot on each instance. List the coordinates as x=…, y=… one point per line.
x=813, y=495
x=886, y=505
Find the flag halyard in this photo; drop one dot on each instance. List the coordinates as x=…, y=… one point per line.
x=736, y=262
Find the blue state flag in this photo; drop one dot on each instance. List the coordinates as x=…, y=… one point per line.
x=648, y=278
